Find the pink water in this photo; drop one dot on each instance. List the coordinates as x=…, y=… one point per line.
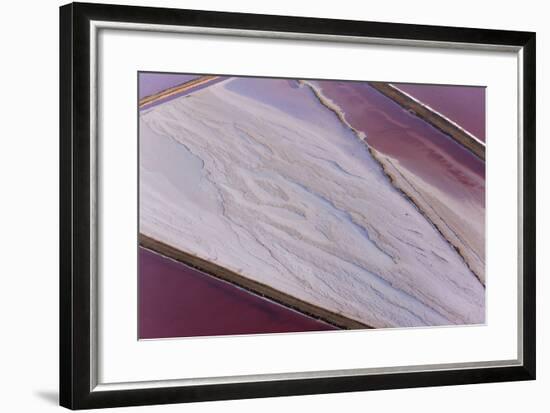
x=465, y=105
x=416, y=145
x=178, y=301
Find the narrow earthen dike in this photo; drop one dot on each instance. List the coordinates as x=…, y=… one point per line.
x=396, y=179
x=435, y=119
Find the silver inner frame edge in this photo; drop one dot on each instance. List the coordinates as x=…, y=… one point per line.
x=95, y=386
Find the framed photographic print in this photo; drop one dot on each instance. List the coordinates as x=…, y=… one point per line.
x=257, y=206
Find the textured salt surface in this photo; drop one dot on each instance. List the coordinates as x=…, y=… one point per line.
x=179, y=301
x=294, y=200
x=464, y=105
x=444, y=179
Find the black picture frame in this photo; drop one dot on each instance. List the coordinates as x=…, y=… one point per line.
x=75, y=219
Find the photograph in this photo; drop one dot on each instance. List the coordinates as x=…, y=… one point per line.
x=288, y=205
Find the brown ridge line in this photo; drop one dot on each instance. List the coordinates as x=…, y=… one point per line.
x=412, y=200
x=338, y=112
x=435, y=119
x=374, y=154
x=255, y=287
x=175, y=90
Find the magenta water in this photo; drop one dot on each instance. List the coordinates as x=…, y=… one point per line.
x=286, y=95
x=178, y=301
x=464, y=105
x=424, y=150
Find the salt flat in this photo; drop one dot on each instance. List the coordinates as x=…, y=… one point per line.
x=444, y=179
x=294, y=200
